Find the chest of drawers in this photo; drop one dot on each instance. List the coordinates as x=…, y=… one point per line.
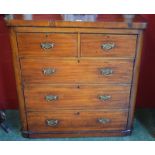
x=76, y=78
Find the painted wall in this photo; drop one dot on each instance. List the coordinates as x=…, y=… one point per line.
x=146, y=89
x=8, y=96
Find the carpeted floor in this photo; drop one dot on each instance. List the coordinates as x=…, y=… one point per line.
x=144, y=126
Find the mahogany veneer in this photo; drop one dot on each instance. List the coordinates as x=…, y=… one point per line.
x=76, y=78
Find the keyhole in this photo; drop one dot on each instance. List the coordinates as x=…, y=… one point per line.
x=46, y=35
x=77, y=113
x=78, y=87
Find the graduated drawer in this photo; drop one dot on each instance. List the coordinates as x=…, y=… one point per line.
x=47, y=97
x=76, y=120
x=108, y=45
x=73, y=71
x=50, y=44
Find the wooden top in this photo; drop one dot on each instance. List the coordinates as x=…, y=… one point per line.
x=117, y=22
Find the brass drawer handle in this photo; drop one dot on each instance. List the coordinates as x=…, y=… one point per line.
x=108, y=46
x=103, y=120
x=46, y=45
x=52, y=122
x=49, y=98
x=106, y=71
x=104, y=97
x=48, y=71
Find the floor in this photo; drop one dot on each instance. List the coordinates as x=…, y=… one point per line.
x=144, y=128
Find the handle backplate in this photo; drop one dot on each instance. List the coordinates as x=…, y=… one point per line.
x=106, y=71
x=108, y=46
x=48, y=71
x=49, y=98
x=104, y=97
x=46, y=45
x=52, y=122
x=103, y=120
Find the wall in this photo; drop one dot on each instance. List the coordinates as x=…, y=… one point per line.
x=8, y=96
x=146, y=89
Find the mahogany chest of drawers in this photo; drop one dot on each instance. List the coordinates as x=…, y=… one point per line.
x=76, y=78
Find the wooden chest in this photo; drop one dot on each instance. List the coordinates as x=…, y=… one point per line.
x=76, y=78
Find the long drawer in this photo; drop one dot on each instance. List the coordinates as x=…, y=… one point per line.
x=46, y=97
x=76, y=72
x=76, y=121
x=108, y=45
x=47, y=44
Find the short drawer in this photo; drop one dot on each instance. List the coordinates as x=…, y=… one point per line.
x=76, y=72
x=76, y=121
x=50, y=44
x=108, y=45
x=38, y=97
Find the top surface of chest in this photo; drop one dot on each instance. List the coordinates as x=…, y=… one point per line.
x=102, y=21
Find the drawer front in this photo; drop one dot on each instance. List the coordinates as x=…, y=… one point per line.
x=51, y=44
x=76, y=120
x=73, y=97
x=108, y=45
x=85, y=71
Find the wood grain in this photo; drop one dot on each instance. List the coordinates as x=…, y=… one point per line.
x=18, y=78
x=75, y=30
x=77, y=60
x=30, y=44
x=76, y=97
x=112, y=25
x=77, y=120
x=79, y=134
x=76, y=72
x=135, y=79
x=124, y=45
